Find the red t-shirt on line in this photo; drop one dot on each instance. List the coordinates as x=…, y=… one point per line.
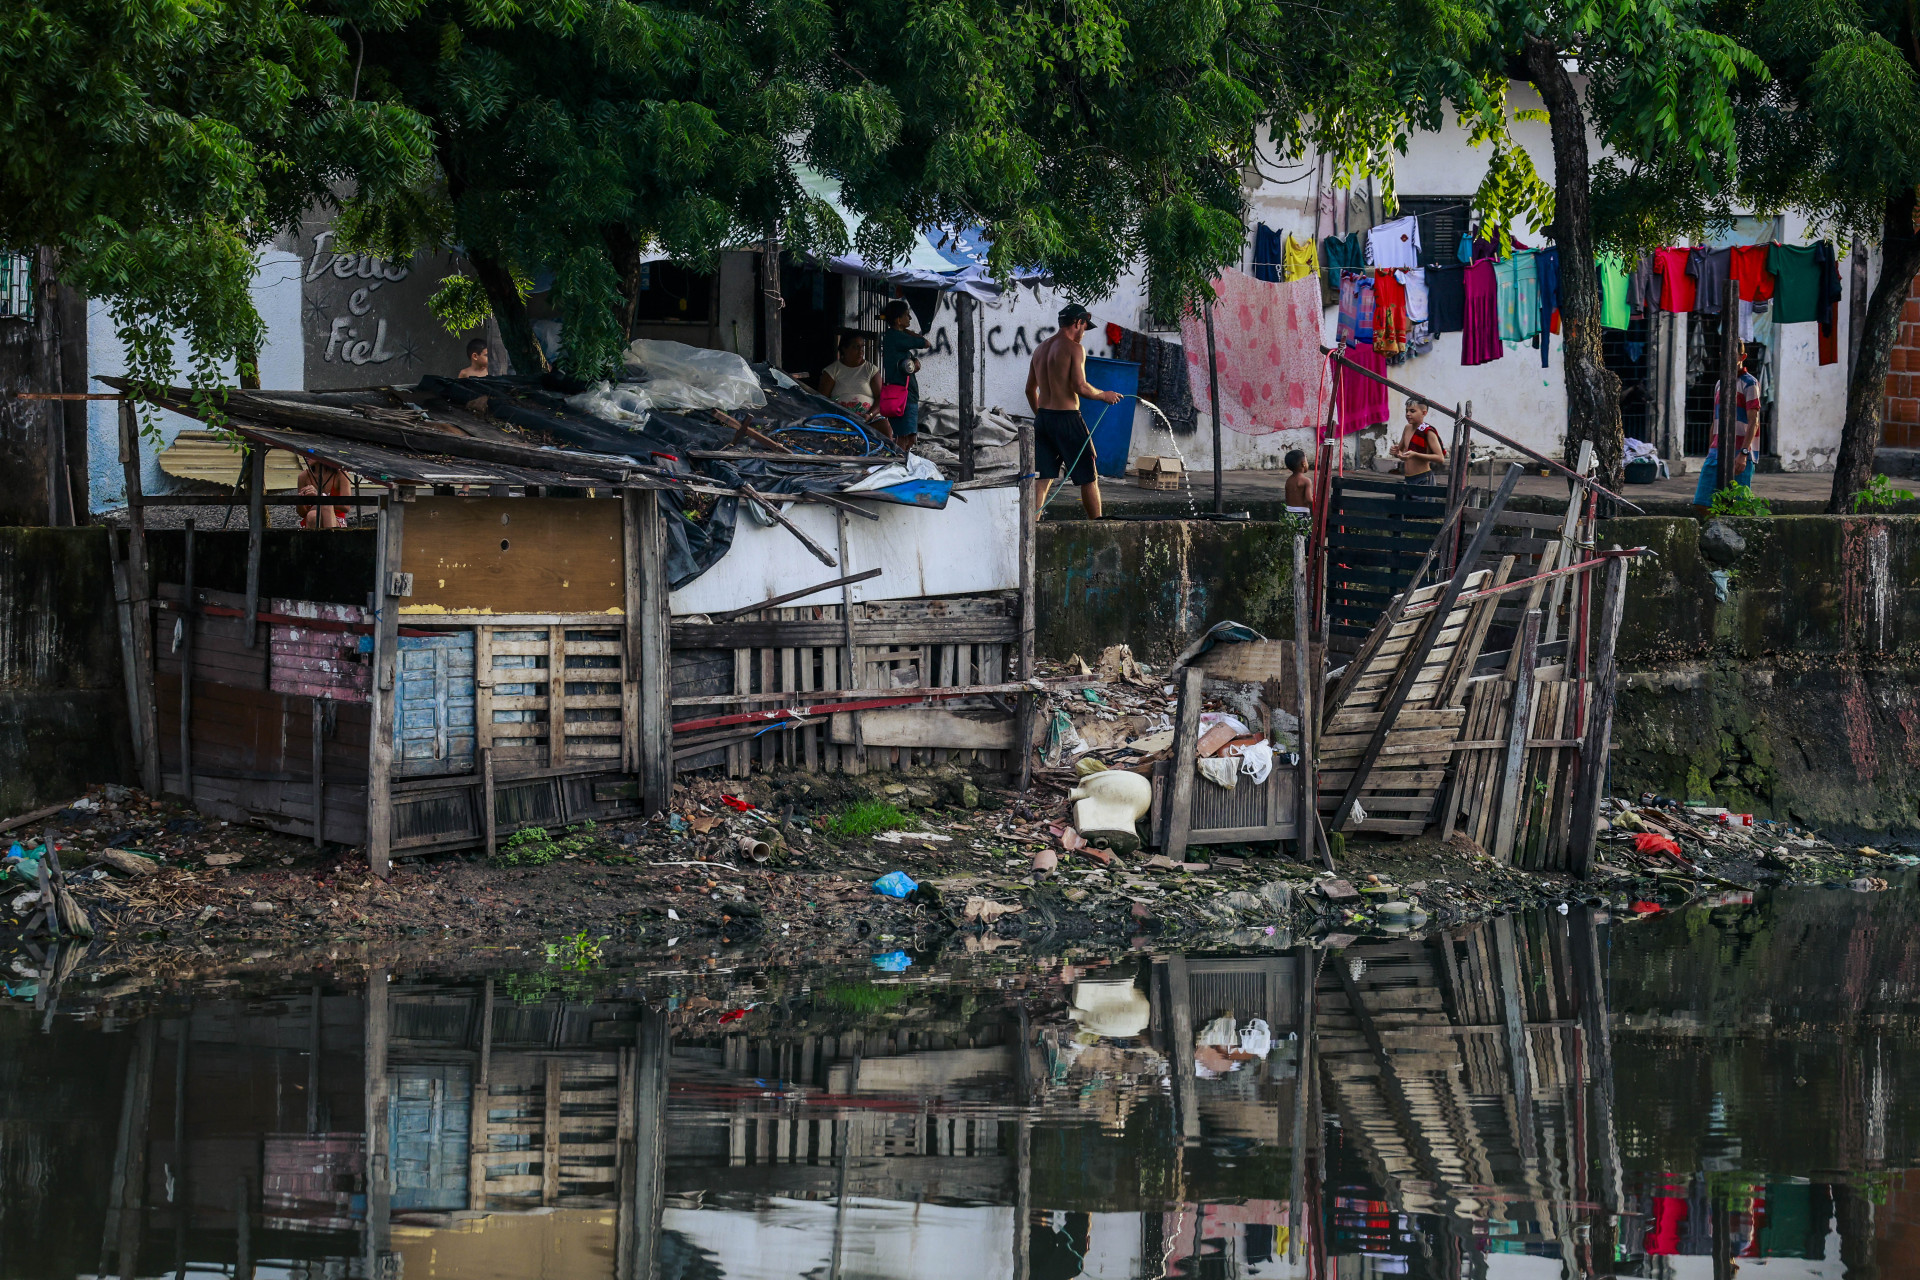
x=1676, y=286
x=1749, y=269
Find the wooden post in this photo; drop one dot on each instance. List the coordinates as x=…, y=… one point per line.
x=1568, y=545
x=770, y=300
x=1213, y=403
x=1023, y=1195
x=1306, y=682
x=128, y=1190
x=379, y=1174
x=386, y=647
x=1513, y=1016
x=135, y=663
x=479, y=1140
x=852, y=665
x=489, y=822
x=1599, y=729
x=1514, y=768
x=315, y=1045
x=965, y=308
x=650, y=1120
x=1417, y=654
x=1029, y=535
x=1177, y=818
x=1457, y=464
x=1729, y=385
x=319, y=774
x=1173, y=971
x=256, y=534
x=189, y=615
x=1307, y=975
x=647, y=544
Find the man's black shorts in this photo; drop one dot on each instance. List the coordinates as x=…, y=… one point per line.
x=1061, y=439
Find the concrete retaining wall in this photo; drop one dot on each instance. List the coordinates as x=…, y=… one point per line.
x=63, y=716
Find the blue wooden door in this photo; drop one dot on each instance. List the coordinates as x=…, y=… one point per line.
x=433, y=704
x=428, y=1114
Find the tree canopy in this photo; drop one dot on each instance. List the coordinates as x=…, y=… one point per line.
x=157, y=144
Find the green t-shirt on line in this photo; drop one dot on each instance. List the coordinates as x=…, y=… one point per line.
x=1613, y=291
x=1796, y=283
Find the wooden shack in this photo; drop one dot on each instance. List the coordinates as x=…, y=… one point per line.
x=495, y=642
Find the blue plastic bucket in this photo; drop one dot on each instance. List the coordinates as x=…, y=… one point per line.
x=1112, y=424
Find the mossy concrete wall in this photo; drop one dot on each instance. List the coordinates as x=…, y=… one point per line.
x=63, y=708
x=1782, y=683
x=1157, y=585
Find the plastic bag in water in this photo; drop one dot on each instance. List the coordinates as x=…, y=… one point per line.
x=895, y=884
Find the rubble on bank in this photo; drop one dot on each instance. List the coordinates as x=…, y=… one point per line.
x=790, y=864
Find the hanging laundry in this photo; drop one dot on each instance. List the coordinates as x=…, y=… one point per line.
x=1269, y=252
x=1709, y=269
x=1341, y=253
x=1480, y=327
x=1465, y=252
x=1419, y=342
x=1415, y=283
x=1347, y=322
x=1363, y=306
x=1395, y=244
x=1796, y=274
x=1361, y=402
x=1751, y=270
x=1676, y=286
x=1390, y=322
x=1613, y=291
x=1446, y=299
x=1163, y=375
x=1546, y=267
x=1519, y=297
x=1829, y=301
x=1643, y=292
x=1267, y=350
x=1300, y=259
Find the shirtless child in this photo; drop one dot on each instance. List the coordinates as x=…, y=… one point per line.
x=1299, y=484
x=1056, y=382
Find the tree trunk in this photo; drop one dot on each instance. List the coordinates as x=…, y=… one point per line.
x=516, y=328
x=1867, y=388
x=30, y=455
x=1593, y=390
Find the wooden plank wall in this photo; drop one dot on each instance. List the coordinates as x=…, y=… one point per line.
x=514, y=555
x=938, y=643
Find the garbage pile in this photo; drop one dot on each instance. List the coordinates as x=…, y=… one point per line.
x=1684, y=847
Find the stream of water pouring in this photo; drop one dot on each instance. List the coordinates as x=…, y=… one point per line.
x=1186, y=472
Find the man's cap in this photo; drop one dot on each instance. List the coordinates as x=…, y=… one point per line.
x=1074, y=311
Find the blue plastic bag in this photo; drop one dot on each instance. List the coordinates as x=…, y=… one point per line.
x=893, y=961
x=895, y=884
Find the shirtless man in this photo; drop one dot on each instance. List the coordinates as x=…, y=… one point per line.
x=1056, y=382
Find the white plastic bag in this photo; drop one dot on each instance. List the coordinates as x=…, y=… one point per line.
x=678, y=376
x=1256, y=760
x=1256, y=1038
x=1221, y=1033
x=1222, y=771
x=628, y=404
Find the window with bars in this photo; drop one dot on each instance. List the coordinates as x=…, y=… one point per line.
x=1443, y=220
x=16, y=286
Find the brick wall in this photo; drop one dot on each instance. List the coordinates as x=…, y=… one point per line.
x=1902, y=423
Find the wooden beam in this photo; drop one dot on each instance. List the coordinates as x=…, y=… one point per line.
x=965, y=309
x=779, y=517
x=319, y=713
x=1513, y=1015
x=653, y=668
x=1173, y=972
x=1726, y=470
x=851, y=658
x=189, y=616
x=1513, y=769
x=256, y=535
x=729, y=615
x=139, y=600
x=1176, y=820
x=1592, y=778
x=1569, y=545
x=386, y=652
x=479, y=1123
x=1029, y=516
x=270, y=499
x=489, y=823
x=649, y=1140
x=1306, y=686
x=835, y=500
x=1417, y=656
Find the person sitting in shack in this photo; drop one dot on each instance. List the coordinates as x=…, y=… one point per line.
x=320, y=479
x=852, y=381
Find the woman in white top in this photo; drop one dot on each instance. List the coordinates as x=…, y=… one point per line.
x=852, y=380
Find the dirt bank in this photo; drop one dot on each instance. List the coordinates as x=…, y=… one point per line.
x=685, y=887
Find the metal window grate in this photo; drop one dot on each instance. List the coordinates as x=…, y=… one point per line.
x=16, y=286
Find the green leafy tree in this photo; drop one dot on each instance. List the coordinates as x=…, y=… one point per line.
x=155, y=147
x=1836, y=130
x=1655, y=84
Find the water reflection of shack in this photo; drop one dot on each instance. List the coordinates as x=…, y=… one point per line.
x=352, y=1125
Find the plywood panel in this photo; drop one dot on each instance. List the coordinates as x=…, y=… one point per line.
x=513, y=555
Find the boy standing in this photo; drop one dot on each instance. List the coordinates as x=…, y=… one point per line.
x=1299, y=484
x=1419, y=448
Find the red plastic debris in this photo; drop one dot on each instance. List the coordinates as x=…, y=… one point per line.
x=733, y=1015
x=1647, y=908
x=735, y=802
x=1654, y=842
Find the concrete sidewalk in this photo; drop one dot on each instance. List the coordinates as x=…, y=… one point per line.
x=1263, y=494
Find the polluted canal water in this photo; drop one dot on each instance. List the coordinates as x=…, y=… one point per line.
x=1706, y=1092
